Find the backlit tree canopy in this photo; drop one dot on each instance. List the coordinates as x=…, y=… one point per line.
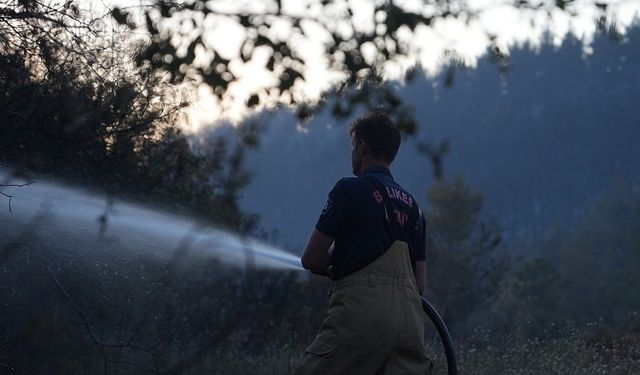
x=222, y=43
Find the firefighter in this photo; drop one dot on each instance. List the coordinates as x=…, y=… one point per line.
x=370, y=240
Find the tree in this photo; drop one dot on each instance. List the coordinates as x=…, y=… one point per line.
x=465, y=265
x=75, y=106
x=72, y=98
x=598, y=260
x=584, y=273
x=357, y=52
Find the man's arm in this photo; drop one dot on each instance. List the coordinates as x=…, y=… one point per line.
x=421, y=253
x=316, y=257
x=421, y=276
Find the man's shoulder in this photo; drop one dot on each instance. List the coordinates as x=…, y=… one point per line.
x=351, y=185
x=343, y=185
x=348, y=182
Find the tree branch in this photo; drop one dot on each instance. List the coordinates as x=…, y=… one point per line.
x=11, y=370
x=91, y=326
x=26, y=15
x=14, y=113
x=11, y=196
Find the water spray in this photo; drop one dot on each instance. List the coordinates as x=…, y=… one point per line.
x=86, y=217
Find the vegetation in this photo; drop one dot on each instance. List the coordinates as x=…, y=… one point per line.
x=357, y=44
x=112, y=312
x=75, y=105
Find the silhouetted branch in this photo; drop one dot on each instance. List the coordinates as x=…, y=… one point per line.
x=90, y=327
x=15, y=114
x=25, y=15
x=436, y=154
x=11, y=196
x=9, y=368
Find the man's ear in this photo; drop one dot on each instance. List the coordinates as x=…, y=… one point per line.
x=362, y=148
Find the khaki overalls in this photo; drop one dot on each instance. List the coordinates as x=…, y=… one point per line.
x=375, y=323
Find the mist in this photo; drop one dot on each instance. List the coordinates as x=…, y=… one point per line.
x=539, y=155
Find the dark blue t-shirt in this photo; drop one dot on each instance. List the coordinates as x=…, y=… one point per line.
x=354, y=216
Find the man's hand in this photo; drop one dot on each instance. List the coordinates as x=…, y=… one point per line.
x=316, y=256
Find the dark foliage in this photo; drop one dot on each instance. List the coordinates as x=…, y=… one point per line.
x=110, y=312
x=350, y=48
x=73, y=105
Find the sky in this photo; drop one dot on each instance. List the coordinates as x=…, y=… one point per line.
x=431, y=45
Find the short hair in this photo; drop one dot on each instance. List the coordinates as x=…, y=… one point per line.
x=380, y=132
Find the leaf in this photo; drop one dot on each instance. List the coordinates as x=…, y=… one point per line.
x=191, y=51
x=304, y=112
x=397, y=17
x=271, y=63
x=288, y=78
x=602, y=6
x=253, y=101
x=150, y=26
x=262, y=40
x=165, y=9
x=449, y=76
x=119, y=16
x=245, y=21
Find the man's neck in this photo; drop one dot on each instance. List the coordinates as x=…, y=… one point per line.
x=368, y=164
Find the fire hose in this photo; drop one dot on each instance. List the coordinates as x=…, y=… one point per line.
x=438, y=322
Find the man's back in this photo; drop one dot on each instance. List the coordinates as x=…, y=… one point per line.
x=356, y=217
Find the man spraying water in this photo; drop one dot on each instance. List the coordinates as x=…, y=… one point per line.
x=370, y=240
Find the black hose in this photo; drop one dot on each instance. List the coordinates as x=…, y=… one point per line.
x=452, y=367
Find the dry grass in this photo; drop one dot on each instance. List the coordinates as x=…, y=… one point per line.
x=589, y=350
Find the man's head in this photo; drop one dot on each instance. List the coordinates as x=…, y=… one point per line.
x=375, y=140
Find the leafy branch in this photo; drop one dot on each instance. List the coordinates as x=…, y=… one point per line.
x=8, y=368
x=358, y=53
